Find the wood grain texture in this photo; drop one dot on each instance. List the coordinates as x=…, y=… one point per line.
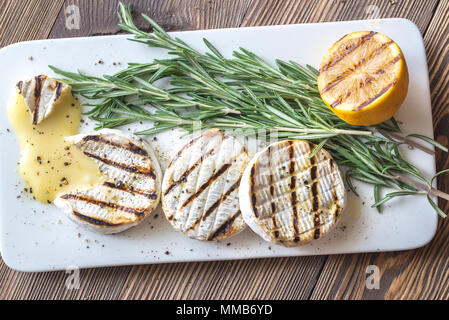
x=22, y=20
x=171, y=15
x=411, y=274
x=262, y=12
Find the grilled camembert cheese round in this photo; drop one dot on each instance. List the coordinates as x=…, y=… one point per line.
x=200, y=187
x=132, y=187
x=288, y=198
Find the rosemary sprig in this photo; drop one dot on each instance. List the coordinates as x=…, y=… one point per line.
x=245, y=92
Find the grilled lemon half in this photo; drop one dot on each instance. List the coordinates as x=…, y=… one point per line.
x=364, y=78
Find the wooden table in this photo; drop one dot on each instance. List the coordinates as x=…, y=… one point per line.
x=414, y=274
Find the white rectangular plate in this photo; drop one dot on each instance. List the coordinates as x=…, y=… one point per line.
x=36, y=237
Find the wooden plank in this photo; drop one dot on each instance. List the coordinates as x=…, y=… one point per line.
x=27, y=20
x=277, y=12
x=171, y=15
x=414, y=274
x=243, y=279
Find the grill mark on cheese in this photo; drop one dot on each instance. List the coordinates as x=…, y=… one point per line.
x=122, y=166
x=191, y=143
x=315, y=198
x=253, y=191
x=94, y=221
x=225, y=227
x=315, y=207
x=292, y=182
x=315, y=201
x=221, y=199
x=38, y=87
x=275, y=226
x=152, y=195
x=101, y=204
x=380, y=93
x=131, y=147
x=204, y=186
x=293, y=195
x=270, y=182
x=317, y=224
x=58, y=90
x=37, y=94
x=273, y=205
x=356, y=66
x=291, y=154
x=337, y=207
x=184, y=176
x=348, y=50
x=313, y=169
x=215, y=205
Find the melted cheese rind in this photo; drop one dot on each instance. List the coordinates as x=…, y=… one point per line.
x=48, y=164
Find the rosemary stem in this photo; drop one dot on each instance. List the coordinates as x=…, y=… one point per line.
x=428, y=189
x=410, y=142
x=339, y=131
x=230, y=125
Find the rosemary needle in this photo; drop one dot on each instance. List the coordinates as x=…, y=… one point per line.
x=245, y=92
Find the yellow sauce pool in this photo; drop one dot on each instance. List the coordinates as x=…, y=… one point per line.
x=48, y=164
